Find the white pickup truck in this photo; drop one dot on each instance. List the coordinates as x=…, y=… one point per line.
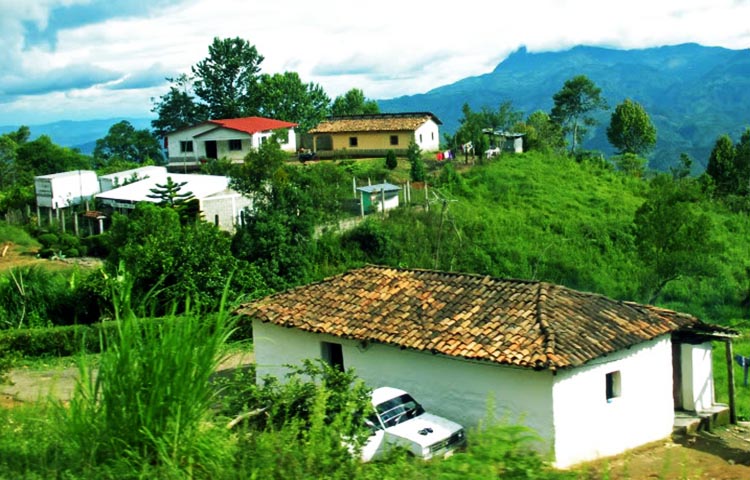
x=399, y=421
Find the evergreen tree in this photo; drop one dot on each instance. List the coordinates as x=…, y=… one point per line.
x=391, y=162
x=721, y=165
x=414, y=155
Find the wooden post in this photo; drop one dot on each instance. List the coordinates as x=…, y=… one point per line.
x=730, y=381
x=361, y=204
x=38, y=217
x=382, y=200
x=354, y=186
x=426, y=198
x=75, y=223
x=62, y=219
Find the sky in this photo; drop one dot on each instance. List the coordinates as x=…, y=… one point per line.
x=90, y=59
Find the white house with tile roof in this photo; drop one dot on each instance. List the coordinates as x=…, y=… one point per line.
x=591, y=375
x=231, y=138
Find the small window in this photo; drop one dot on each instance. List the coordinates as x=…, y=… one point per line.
x=216, y=220
x=235, y=144
x=353, y=141
x=394, y=139
x=332, y=354
x=186, y=146
x=432, y=135
x=420, y=138
x=614, y=386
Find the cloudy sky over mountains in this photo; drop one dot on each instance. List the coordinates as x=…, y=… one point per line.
x=84, y=59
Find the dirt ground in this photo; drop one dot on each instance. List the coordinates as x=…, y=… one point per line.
x=720, y=455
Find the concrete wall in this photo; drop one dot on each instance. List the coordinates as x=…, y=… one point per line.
x=454, y=388
x=697, y=376
x=371, y=140
x=226, y=207
x=587, y=425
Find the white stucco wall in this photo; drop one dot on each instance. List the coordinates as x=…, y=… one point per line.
x=697, y=376
x=225, y=207
x=427, y=136
x=186, y=135
x=454, y=388
x=587, y=426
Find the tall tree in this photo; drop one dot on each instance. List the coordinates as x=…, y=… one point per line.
x=170, y=195
x=285, y=97
x=630, y=129
x=354, y=102
x=742, y=164
x=721, y=166
x=277, y=234
x=126, y=144
x=574, y=105
x=226, y=80
x=178, y=108
x=42, y=156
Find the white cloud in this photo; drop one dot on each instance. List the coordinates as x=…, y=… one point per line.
x=387, y=48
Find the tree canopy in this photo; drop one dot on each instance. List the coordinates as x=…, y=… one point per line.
x=285, y=97
x=123, y=143
x=574, y=105
x=354, y=102
x=630, y=129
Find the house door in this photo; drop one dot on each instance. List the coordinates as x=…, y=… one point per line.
x=677, y=374
x=211, y=149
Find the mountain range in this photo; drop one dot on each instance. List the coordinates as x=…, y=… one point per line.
x=693, y=93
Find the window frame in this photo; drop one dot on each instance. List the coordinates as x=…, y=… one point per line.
x=333, y=354
x=353, y=142
x=186, y=146
x=394, y=139
x=613, y=385
x=235, y=144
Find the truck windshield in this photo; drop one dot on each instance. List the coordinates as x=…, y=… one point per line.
x=398, y=410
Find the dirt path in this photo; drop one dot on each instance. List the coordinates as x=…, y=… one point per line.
x=32, y=385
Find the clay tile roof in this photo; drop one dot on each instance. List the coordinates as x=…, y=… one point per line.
x=252, y=124
x=513, y=322
x=383, y=122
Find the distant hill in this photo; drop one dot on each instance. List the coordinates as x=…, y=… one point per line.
x=81, y=134
x=693, y=93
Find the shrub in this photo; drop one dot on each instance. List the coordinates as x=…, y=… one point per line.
x=48, y=240
x=391, y=162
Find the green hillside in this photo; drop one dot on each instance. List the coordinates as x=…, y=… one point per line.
x=552, y=219
x=693, y=93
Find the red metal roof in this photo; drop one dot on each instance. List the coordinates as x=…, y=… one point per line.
x=252, y=124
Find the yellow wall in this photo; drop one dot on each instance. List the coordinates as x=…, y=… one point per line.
x=371, y=141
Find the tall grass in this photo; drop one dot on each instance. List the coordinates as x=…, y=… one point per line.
x=35, y=297
x=147, y=409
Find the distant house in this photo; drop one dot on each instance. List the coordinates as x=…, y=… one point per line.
x=376, y=134
x=229, y=138
x=378, y=197
x=592, y=375
x=217, y=203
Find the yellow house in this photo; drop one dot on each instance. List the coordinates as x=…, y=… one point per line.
x=377, y=133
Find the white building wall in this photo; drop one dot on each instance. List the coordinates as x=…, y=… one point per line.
x=587, y=426
x=226, y=207
x=61, y=190
x=186, y=135
x=457, y=389
x=427, y=136
x=697, y=377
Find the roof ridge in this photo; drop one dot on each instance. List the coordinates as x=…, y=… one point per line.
x=545, y=327
x=453, y=273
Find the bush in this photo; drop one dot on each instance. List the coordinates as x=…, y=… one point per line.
x=48, y=240
x=391, y=162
